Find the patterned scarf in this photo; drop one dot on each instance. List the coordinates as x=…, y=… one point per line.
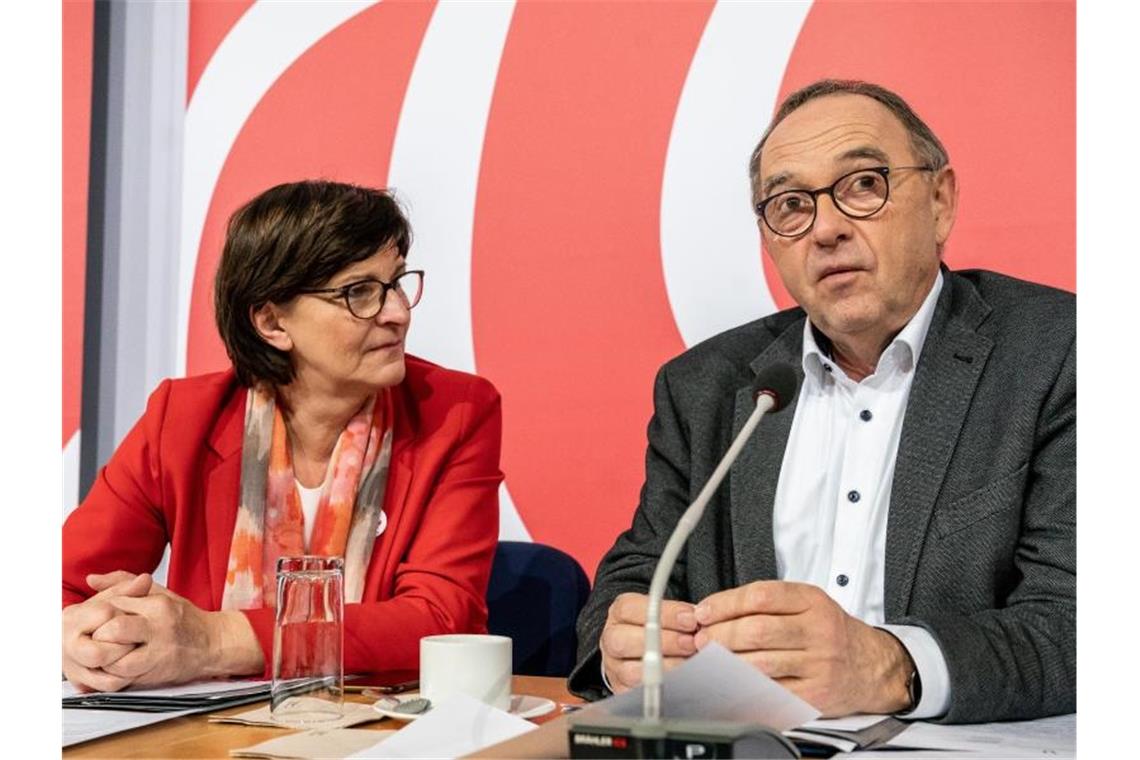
x=270, y=523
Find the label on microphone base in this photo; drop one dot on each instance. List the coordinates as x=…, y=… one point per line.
x=613, y=737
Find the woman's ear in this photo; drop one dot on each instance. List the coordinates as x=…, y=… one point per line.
x=266, y=320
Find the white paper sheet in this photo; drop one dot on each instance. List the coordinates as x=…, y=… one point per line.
x=457, y=726
x=81, y=725
x=715, y=684
x=849, y=723
x=1047, y=737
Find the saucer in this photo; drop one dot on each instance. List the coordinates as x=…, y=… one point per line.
x=522, y=706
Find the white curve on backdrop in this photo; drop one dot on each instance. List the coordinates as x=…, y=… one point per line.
x=710, y=246
x=265, y=41
x=435, y=173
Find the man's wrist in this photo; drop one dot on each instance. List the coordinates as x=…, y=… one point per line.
x=892, y=690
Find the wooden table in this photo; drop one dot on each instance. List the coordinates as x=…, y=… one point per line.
x=193, y=736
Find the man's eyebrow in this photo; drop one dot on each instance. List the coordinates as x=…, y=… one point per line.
x=775, y=181
x=865, y=151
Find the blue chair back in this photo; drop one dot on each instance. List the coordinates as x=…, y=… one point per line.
x=535, y=595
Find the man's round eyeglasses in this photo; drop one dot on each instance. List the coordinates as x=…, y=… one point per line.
x=858, y=194
x=365, y=298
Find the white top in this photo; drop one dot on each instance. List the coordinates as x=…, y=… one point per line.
x=829, y=520
x=310, y=498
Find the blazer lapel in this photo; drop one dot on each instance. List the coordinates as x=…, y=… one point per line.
x=400, y=470
x=221, y=494
x=753, y=477
x=949, y=367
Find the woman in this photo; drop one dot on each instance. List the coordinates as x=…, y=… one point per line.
x=324, y=438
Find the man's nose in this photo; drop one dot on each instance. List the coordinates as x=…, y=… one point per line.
x=831, y=224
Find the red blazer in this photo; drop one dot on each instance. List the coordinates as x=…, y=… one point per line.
x=175, y=480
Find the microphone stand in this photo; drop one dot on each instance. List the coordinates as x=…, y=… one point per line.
x=652, y=662
x=602, y=736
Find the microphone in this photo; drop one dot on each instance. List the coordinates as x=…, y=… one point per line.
x=773, y=389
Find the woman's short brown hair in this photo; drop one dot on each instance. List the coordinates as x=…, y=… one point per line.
x=289, y=238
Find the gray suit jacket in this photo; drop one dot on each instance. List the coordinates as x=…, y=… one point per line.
x=981, y=547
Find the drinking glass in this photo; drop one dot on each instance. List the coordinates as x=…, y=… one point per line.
x=308, y=642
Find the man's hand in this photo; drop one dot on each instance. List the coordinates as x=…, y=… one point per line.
x=174, y=641
x=83, y=657
x=798, y=635
x=622, y=642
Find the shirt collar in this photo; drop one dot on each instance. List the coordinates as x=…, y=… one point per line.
x=907, y=345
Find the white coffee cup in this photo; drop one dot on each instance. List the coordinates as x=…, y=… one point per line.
x=476, y=665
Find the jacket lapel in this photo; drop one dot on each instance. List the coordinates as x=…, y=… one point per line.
x=221, y=494
x=949, y=367
x=753, y=478
x=400, y=469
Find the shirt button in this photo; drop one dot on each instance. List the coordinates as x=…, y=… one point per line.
x=827, y=368
x=852, y=496
x=841, y=580
x=865, y=415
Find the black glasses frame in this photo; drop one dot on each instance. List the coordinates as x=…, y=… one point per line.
x=342, y=291
x=884, y=171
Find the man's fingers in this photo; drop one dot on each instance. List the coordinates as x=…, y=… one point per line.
x=768, y=597
x=626, y=674
x=756, y=632
x=628, y=608
x=678, y=616
x=625, y=642
x=631, y=608
x=124, y=629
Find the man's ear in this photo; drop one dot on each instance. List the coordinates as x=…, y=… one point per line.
x=266, y=320
x=945, y=203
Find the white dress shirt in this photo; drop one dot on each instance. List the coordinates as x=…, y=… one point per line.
x=310, y=500
x=829, y=520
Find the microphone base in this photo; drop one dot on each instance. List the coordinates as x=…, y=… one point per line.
x=608, y=736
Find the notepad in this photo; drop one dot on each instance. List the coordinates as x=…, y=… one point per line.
x=203, y=695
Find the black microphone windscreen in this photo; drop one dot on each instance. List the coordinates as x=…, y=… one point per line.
x=778, y=381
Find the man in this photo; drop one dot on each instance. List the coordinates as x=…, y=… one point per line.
x=902, y=538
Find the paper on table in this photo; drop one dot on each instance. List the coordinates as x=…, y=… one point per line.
x=843, y=745
x=331, y=744
x=715, y=684
x=457, y=726
x=355, y=713
x=80, y=725
x=1052, y=737
x=848, y=723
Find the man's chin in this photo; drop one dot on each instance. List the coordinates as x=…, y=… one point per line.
x=850, y=316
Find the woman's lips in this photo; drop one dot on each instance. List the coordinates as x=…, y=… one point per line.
x=388, y=345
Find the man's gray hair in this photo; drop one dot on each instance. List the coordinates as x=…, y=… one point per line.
x=926, y=145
